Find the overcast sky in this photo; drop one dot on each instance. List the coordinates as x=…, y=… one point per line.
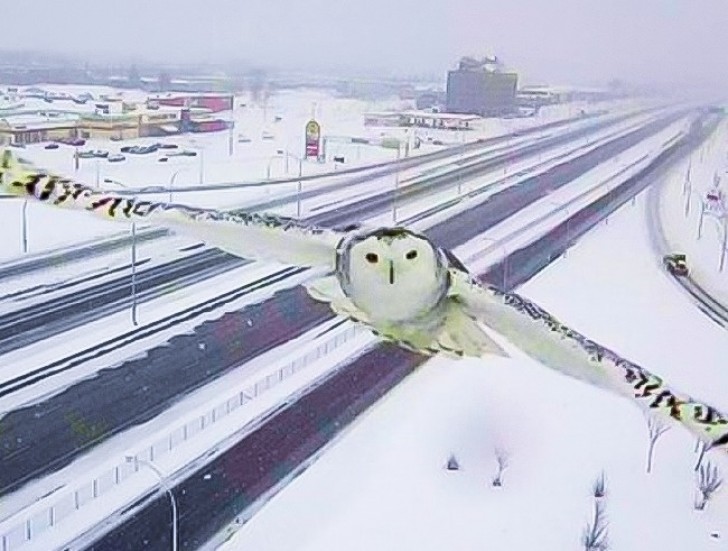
x=560, y=41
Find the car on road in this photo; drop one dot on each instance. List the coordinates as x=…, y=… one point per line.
x=676, y=264
x=115, y=158
x=52, y=146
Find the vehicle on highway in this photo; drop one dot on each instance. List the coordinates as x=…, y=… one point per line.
x=676, y=264
x=115, y=158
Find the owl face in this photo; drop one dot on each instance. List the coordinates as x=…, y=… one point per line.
x=393, y=274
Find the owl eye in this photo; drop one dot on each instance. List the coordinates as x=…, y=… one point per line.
x=411, y=255
x=372, y=258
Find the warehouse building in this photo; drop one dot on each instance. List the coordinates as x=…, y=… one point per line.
x=481, y=87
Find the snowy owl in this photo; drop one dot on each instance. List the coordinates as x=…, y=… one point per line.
x=398, y=283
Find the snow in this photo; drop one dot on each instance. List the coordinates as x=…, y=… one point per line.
x=382, y=485
x=681, y=231
x=249, y=162
x=421, y=413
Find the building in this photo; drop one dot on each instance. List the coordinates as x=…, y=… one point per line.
x=421, y=119
x=27, y=129
x=213, y=103
x=481, y=87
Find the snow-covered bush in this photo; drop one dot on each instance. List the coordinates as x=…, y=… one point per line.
x=599, y=489
x=595, y=535
x=656, y=428
x=501, y=457
x=709, y=481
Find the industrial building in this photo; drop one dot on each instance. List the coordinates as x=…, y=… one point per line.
x=481, y=87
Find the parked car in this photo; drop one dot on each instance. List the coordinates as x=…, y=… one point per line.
x=52, y=146
x=76, y=142
x=167, y=146
x=676, y=264
x=125, y=149
x=115, y=158
x=243, y=139
x=267, y=136
x=163, y=159
x=86, y=155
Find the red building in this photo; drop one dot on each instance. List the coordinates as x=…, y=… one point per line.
x=215, y=103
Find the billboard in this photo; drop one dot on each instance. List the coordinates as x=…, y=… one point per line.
x=313, y=139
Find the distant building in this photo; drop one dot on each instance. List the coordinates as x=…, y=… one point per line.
x=212, y=102
x=28, y=129
x=481, y=87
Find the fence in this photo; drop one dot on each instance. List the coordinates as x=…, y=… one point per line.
x=38, y=519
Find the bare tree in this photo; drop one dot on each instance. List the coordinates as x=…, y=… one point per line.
x=600, y=486
x=709, y=481
x=596, y=534
x=656, y=428
x=501, y=457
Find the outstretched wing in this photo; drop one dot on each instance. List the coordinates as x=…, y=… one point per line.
x=546, y=339
x=249, y=235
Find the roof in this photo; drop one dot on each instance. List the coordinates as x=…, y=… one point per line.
x=32, y=122
x=441, y=116
x=422, y=115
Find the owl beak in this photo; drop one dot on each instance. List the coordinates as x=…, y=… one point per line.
x=391, y=272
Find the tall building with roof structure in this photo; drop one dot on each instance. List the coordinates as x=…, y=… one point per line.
x=481, y=87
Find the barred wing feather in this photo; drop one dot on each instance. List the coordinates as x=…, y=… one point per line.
x=250, y=235
x=544, y=338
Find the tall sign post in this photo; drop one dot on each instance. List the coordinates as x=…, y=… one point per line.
x=313, y=139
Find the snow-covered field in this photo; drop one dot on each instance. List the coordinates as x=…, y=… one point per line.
x=383, y=485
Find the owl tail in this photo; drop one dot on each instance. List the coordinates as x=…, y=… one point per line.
x=462, y=335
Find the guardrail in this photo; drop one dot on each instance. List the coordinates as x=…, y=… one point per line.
x=29, y=524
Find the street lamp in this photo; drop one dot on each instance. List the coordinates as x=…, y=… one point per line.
x=504, y=261
x=560, y=207
x=396, y=187
x=165, y=486
x=133, y=261
x=25, y=226
x=201, y=152
x=171, y=182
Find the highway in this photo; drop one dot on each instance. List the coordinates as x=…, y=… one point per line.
x=41, y=438
x=233, y=481
x=30, y=324
x=364, y=174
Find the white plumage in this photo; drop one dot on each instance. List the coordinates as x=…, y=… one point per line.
x=398, y=283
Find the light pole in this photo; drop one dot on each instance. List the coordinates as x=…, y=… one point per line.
x=396, y=188
x=134, y=320
x=299, y=186
x=560, y=207
x=25, y=226
x=171, y=182
x=165, y=486
x=201, y=152
x=504, y=262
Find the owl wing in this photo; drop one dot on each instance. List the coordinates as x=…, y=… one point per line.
x=250, y=235
x=544, y=338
